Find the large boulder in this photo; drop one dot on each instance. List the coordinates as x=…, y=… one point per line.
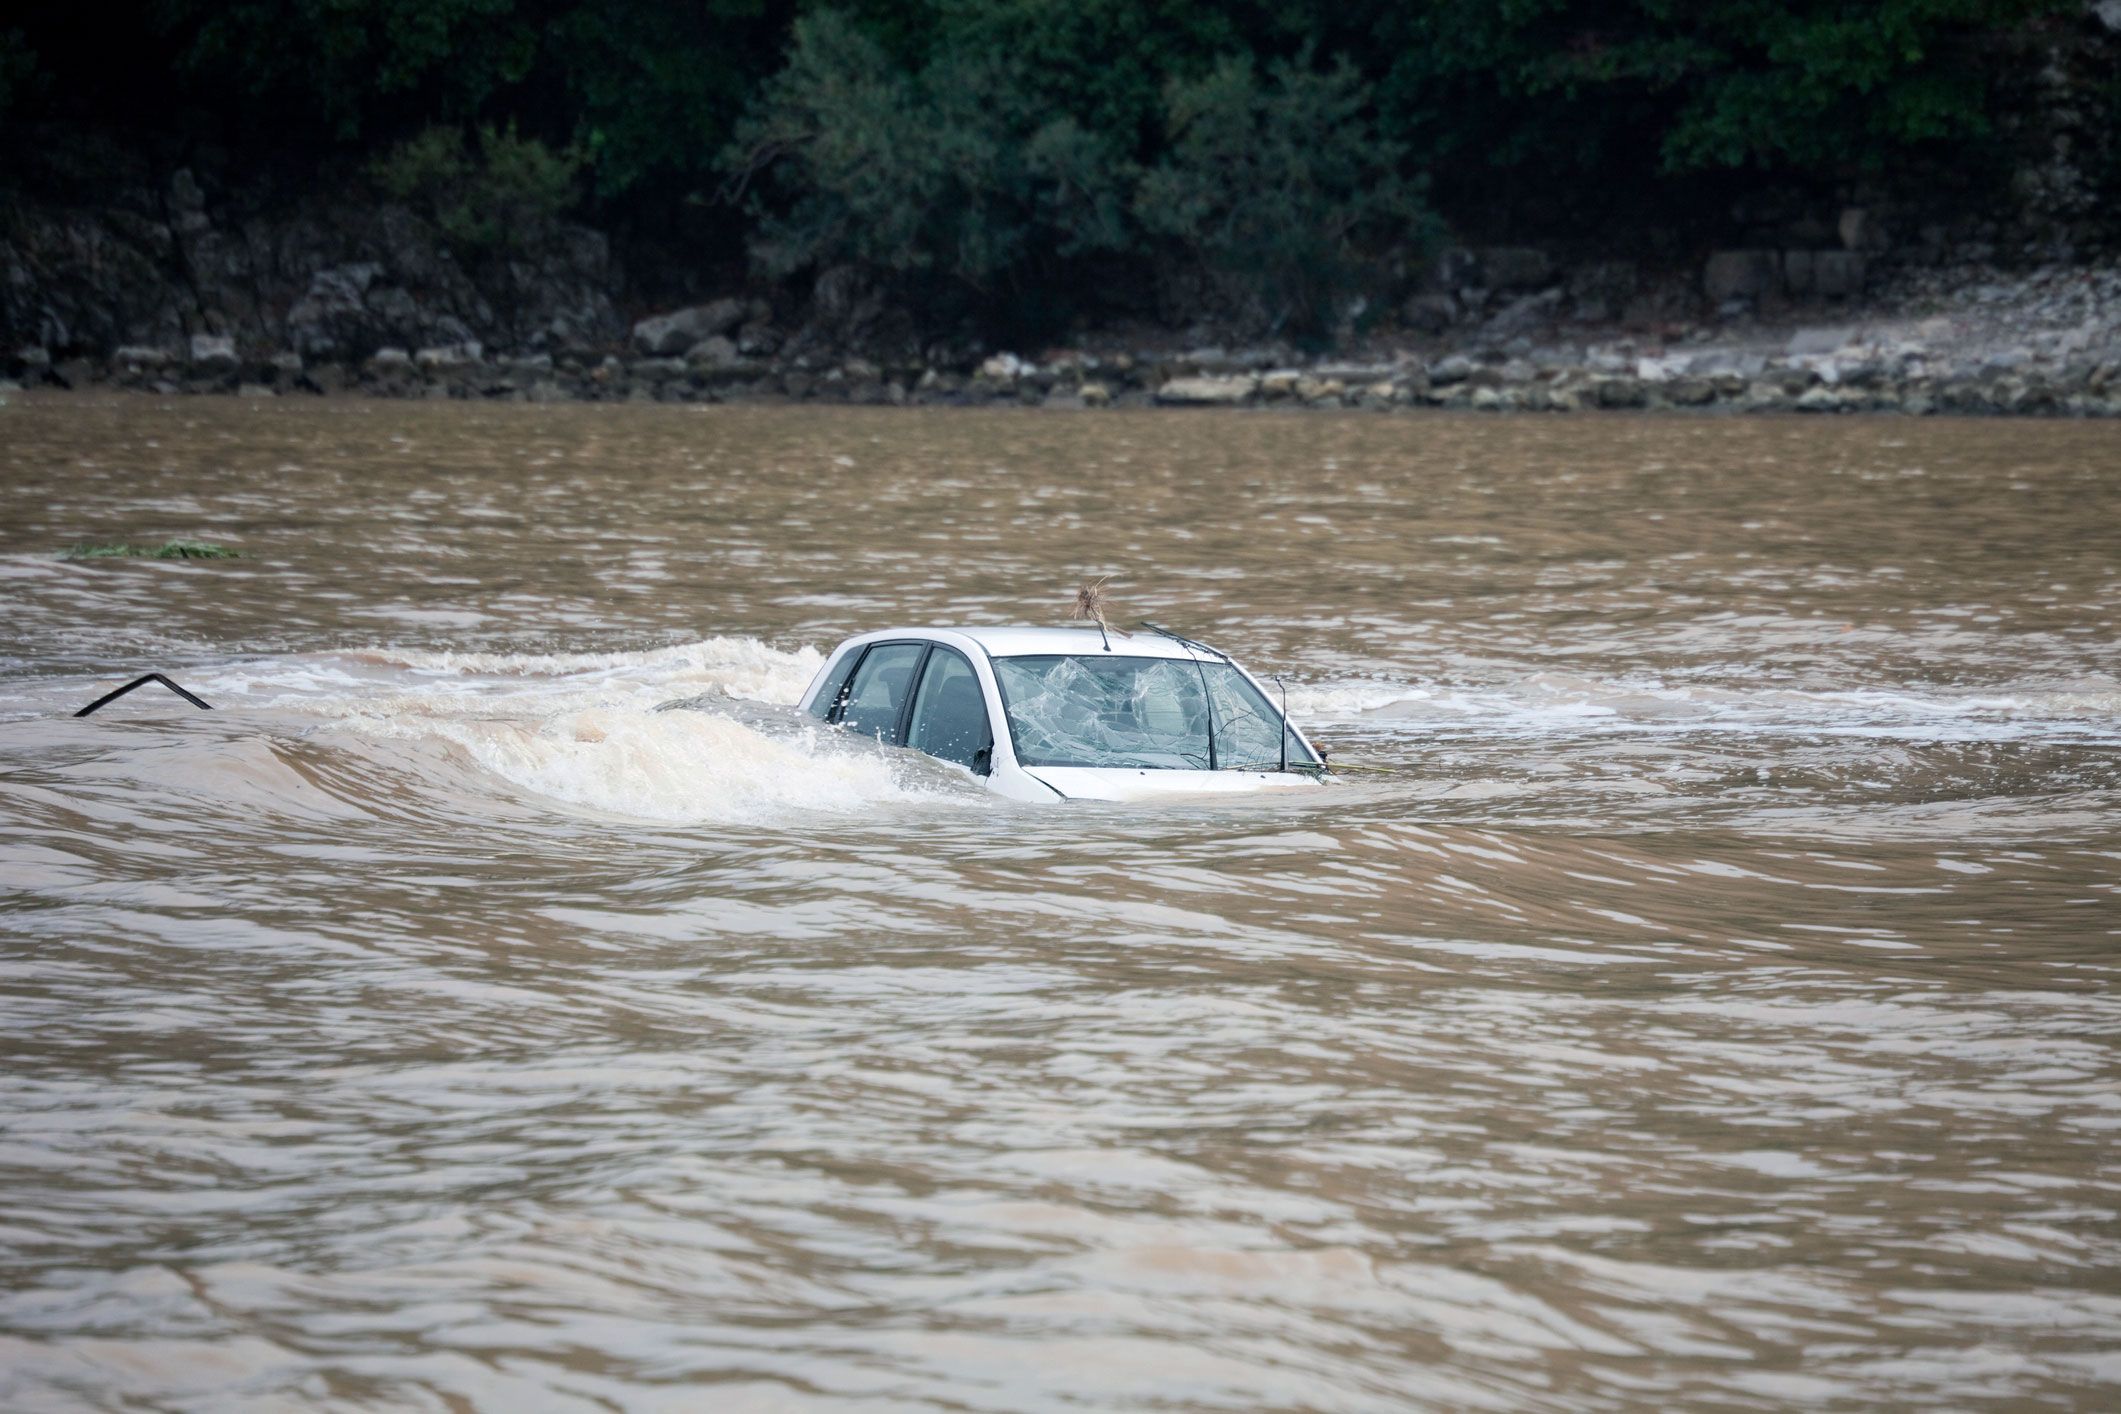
x=331, y=319
x=1516, y=267
x=447, y=358
x=1524, y=314
x=213, y=353
x=1429, y=313
x=1816, y=340
x=1452, y=368
x=1356, y=375
x=1207, y=392
x=1453, y=268
x=1799, y=272
x=1741, y=274
x=658, y=370
x=678, y=331
x=186, y=199
x=1600, y=291
x=1620, y=393
x=557, y=297
x=1003, y=369
x=1838, y=274
x=1860, y=230
x=717, y=352
x=1829, y=274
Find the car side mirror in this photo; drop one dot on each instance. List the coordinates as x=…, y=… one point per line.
x=983, y=761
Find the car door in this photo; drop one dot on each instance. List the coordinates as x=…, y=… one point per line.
x=876, y=697
x=949, y=719
x=832, y=692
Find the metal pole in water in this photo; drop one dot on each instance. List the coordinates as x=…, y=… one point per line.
x=109, y=697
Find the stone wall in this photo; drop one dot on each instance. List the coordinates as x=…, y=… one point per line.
x=1964, y=341
x=155, y=263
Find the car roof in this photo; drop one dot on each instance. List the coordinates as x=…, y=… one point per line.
x=1014, y=642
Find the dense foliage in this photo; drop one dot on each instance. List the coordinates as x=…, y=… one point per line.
x=489, y=195
x=1273, y=181
x=983, y=153
x=950, y=166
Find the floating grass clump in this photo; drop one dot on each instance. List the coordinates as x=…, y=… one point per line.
x=167, y=550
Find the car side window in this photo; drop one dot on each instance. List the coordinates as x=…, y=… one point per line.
x=828, y=696
x=878, y=693
x=950, y=713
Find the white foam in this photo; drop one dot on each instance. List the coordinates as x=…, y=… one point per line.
x=742, y=667
x=1564, y=702
x=739, y=667
x=680, y=766
x=584, y=729
x=1348, y=699
x=422, y=680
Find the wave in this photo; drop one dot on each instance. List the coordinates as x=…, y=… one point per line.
x=1550, y=702
x=678, y=767
x=587, y=729
x=745, y=668
x=454, y=733
x=741, y=667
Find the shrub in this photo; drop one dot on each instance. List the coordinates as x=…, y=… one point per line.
x=1587, y=92
x=956, y=169
x=350, y=67
x=946, y=174
x=1276, y=185
x=494, y=199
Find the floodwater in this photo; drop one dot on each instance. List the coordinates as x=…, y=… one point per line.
x=1701, y=989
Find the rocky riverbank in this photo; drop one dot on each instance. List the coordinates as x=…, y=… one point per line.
x=179, y=282
x=1963, y=339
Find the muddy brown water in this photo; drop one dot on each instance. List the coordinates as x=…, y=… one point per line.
x=1699, y=991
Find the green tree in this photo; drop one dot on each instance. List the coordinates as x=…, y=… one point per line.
x=349, y=66
x=497, y=197
x=947, y=177
x=655, y=86
x=1277, y=183
x=1682, y=86
x=1020, y=159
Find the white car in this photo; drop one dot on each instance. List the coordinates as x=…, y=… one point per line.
x=1076, y=713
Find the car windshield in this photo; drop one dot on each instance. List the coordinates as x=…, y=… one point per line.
x=1148, y=713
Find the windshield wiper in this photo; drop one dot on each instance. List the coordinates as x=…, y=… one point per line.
x=1189, y=642
x=1207, y=699
x=1194, y=643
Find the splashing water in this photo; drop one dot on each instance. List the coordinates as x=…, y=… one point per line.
x=674, y=766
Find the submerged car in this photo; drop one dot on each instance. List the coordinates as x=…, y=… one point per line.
x=1077, y=713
